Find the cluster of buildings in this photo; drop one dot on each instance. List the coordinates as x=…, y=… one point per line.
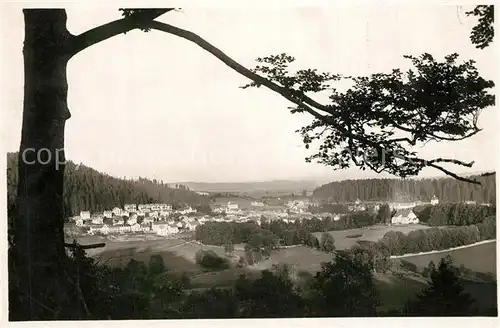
x=162, y=220
x=153, y=218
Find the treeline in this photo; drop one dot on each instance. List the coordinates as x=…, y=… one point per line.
x=271, y=234
x=88, y=189
x=459, y=214
x=446, y=189
x=435, y=239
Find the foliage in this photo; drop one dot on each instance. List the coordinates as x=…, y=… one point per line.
x=445, y=295
x=156, y=264
x=89, y=190
x=377, y=122
x=384, y=214
x=271, y=296
x=344, y=288
x=392, y=190
x=459, y=214
x=482, y=34
x=327, y=243
x=210, y=260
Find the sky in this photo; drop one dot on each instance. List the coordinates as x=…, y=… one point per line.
x=157, y=106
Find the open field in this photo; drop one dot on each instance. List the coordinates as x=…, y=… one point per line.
x=299, y=258
x=479, y=258
x=371, y=233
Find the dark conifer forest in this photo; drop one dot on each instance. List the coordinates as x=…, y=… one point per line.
x=447, y=190
x=91, y=190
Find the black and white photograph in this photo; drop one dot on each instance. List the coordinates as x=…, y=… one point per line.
x=248, y=161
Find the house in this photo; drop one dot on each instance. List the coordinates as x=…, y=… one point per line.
x=125, y=214
x=163, y=228
x=163, y=213
x=336, y=217
x=404, y=216
x=78, y=221
x=107, y=214
x=97, y=219
x=123, y=228
x=192, y=225
x=132, y=221
x=105, y=229
x=165, y=207
x=85, y=215
x=434, y=200
x=257, y=204
x=118, y=220
x=140, y=213
x=153, y=214
x=94, y=228
x=130, y=207
x=146, y=226
x=232, y=206
x=155, y=207
x=117, y=211
x=136, y=227
x=470, y=202
x=401, y=206
x=187, y=210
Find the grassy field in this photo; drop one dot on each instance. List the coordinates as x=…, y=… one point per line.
x=300, y=258
x=371, y=233
x=479, y=258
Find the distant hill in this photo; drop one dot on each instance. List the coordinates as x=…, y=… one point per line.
x=89, y=189
x=284, y=186
x=446, y=189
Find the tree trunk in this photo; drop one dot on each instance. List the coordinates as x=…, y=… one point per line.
x=43, y=289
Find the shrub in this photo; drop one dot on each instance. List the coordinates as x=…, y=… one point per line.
x=210, y=260
x=409, y=266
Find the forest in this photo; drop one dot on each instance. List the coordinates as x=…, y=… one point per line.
x=447, y=190
x=90, y=190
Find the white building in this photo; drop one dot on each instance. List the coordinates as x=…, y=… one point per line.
x=118, y=220
x=132, y=220
x=117, y=211
x=107, y=214
x=78, y=221
x=165, y=207
x=85, y=215
x=130, y=207
x=257, y=204
x=97, y=219
x=404, y=216
x=187, y=210
x=136, y=227
x=434, y=200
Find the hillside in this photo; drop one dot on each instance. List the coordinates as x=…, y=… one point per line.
x=288, y=186
x=446, y=189
x=88, y=189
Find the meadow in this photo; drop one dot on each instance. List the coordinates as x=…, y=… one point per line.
x=479, y=258
x=345, y=239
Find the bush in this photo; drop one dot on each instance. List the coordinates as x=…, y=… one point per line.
x=210, y=260
x=409, y=266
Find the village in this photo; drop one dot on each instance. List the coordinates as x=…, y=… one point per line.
x=162, y=220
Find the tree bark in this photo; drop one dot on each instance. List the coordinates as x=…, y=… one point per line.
x=43, y=290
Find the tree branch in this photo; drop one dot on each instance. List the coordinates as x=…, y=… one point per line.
x=106, y=31
x=304, y=102
x=451, y=174
x=190, y=36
